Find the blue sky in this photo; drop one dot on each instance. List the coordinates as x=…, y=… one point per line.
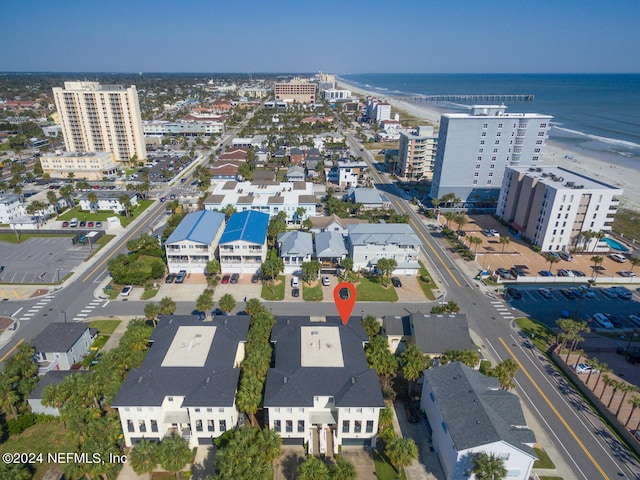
x=340, y=36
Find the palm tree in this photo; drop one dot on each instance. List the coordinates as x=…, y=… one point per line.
x=635, y=403
x=371, y=325
x=249, y=396
x=93, y=199
x=167, y=306
x=227, y=303
x=401, y=452
x=144, y=457
x=616, y=386
x=607, y=381
x=460, y=220
x=602, y=369
x=488, y=467
x=597, y=261
x=125, y=201
x=347, y=264
x=473, y=240
x=414, y=362
x=505, y=372
x=626, y=388
x=151, y=312
x=435, y=202
x=174, y=454
x=587, y=235
x=449, y=217
x=634, y=261
x=300, y=211
x=313, y=469
x=205, y=303
x=53, y=199
x=343, y=470
x=504, y=241
x=551, y=259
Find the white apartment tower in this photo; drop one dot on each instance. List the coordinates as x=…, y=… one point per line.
x=553, y=206
x=474, y=149
x=416, y=153
x=101, y=118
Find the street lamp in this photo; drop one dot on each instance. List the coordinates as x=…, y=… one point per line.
x=58, y=274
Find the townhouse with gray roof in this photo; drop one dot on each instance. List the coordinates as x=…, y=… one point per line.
x=321, y=390
x=187, y=383
x=62, y=344
x=469, y=414
x=330, y=250
x=435, y=334
x=194, y=241
x=295, y=248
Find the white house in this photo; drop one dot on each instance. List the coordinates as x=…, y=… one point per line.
x=347, y=172
x=330, y=250
x=295, y=247
x=53, y=377
x=469, y=414
x=107, y=200
x=321, y=390
x=243, y=244
x=62, y=344
x=187, y=383
x=194, y=241
x=367, y=243
x=10, y=207
x=369, y=198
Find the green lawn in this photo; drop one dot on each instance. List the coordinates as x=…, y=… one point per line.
x=149, y=293
x=102, y=215
x=384, y=470
x=626, y=223
x=278, y=289
x=105, y=327
x=428, y=285
x=40, y=438
x=543, y=459
x=539, y=334
x=312, y=294
x=11, y=237
x=370, y=289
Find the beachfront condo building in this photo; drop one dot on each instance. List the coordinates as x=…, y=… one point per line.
x=87, y=165
x=474, y=148
x=552, y=207
x=101, y=118
x=416, y=154
x=297, y=90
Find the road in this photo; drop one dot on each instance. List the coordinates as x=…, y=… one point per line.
x=586, y=444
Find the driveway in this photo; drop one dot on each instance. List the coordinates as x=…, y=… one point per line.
x=286, y=467
x=363, y=461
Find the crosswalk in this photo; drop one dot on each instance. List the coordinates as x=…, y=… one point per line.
x=88, y=310
x=37, y=308
x=503, y=310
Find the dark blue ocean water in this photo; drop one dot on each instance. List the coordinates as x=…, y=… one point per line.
x=599, y=113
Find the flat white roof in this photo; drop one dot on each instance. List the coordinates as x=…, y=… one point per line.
x=320, y=346
x=190, y=346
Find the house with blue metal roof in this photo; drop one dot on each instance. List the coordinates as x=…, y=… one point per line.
x=194, y=241
x=243, y=245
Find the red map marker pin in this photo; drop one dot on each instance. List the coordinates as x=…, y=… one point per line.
x=345, y=297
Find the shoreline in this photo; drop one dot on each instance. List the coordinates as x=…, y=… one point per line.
x=588, y=163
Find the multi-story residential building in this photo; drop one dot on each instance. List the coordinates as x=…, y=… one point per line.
x=321, y=391
x=107, y=200
x=330, y=250
x=470, y=414
x=265, y=196
x=243, y=244
x=187, y=383
x=369, y=198
x=101, y=118
x=416, y=154
x=87, y=165
x=378, y=111
x=367, y=243
x=297, y=90
x=552, y=207
x=436, y=334
x=295, y=248
x=10, y=207
x=334, y=94
x=333, y=223
x=62, y=344
x=194, y=241
x=160, y=128
x=347, y=173
x=474, y=149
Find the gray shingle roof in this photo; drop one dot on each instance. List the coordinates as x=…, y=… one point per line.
x=382, y=233
x=200, y=227
x=368, y=196
x=434, y=334
x=59, y=337
x=213, y=384
x=475, y=410
x=290, y=384
x=295, y=243
x=396, y=325
x=330, y=245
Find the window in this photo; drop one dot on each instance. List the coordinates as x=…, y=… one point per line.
x=142, y=427
x=300, y=425
x=289, y=426
x=223, y=425
x=198, y=425
x=209, y=410
x=484, y=134
x=130, y=427
x=499, y=125
x=210, y=427
x=495, y=150
x=345, y=426
x=504, y=457
x=221, y=410
x=476, y=174
x=197, y=409
x=498, y=134
x=485, y=125
x=357, y=428
x=493, y=165
x=477, y=166
x=277, y=426
x=481, y=142
x=497, y=142
x=491, y=173
x=369, y=426
x=479, y=159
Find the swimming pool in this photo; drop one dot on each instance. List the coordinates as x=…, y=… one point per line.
x=615, y=245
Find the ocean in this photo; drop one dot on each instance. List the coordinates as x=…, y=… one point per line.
x=595, y=113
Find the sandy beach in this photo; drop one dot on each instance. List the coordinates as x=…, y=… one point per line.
x=554, y=152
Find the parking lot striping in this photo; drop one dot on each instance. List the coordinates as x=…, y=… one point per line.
x=4, y=357
x=17, y=311
x=554, y=410
x=106, y=303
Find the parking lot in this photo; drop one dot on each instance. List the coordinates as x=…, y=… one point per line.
x=41, y=260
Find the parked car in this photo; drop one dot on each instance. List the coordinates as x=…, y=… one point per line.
x=462, y=233
x=90, y=224
x=170, y=278
x=623, y=292
x=234, y=278
x=633, y=357
x=295, y=282
x=83, y=224
x=578, y=273
x=225, y=279
x=396, y=282
x=545, y=292
x=546, y=273
x=412, y=415
x=583, y=368
x=494, y=232
x=635, y=319
x=182, y=274
x=610, y=292
x=567, y=293
x=487, y=233
x=504, y=273
x=566, y=256
x=626, y=273
x=65, y=224
x=326, y=281
x=513, y=293
x=565, y=273
x=554, y=255
x=518, y=272
x=344, y=293
x=98, y=224
x=255, y=278
x=602, y=320
x=126, y=291
x=617, y=257
x=295, y=292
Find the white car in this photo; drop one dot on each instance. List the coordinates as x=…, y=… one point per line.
x=617, y=257
x=494, y=232
x=126, y=291
x=626, y=273
x=326, y=282
x=602, y=320
x=583, y=368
